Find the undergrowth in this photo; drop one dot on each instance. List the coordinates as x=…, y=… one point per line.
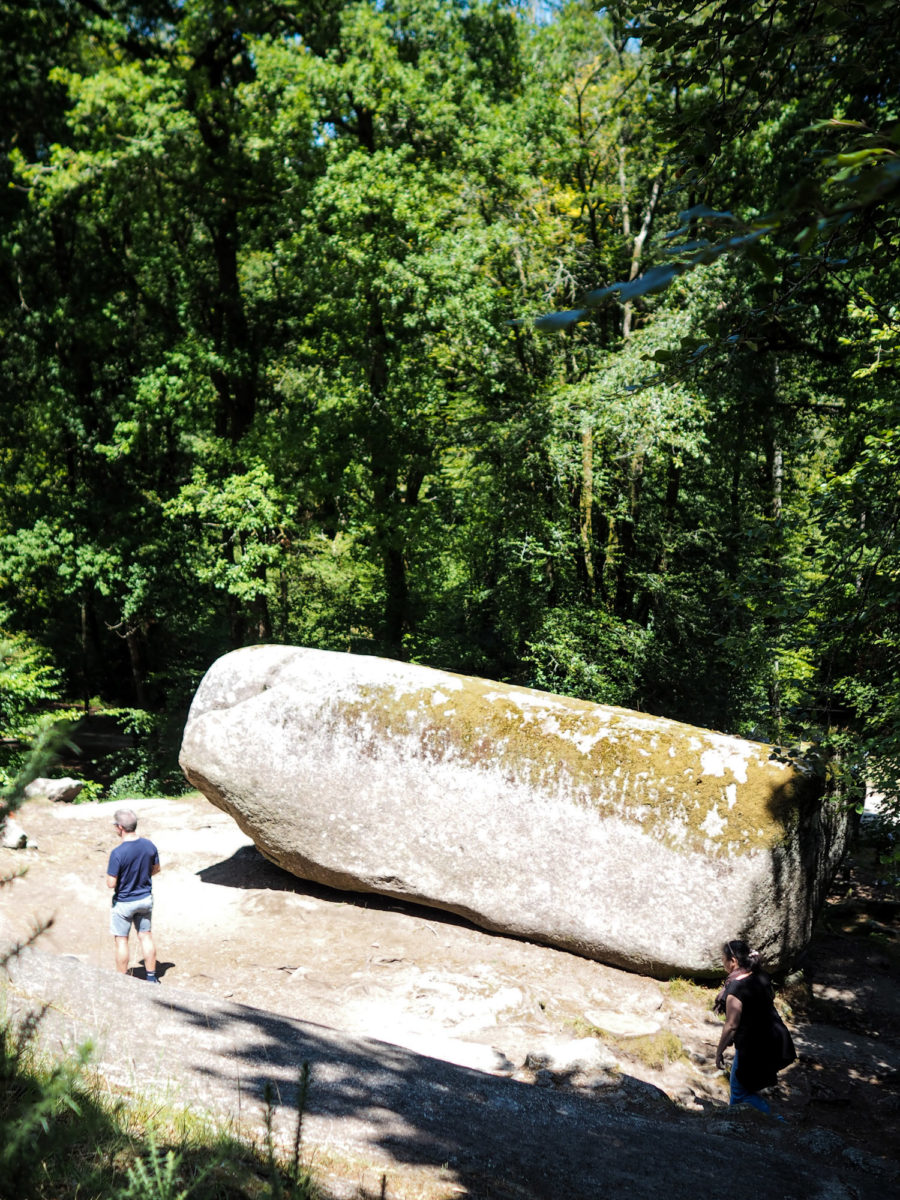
x=63, y=1138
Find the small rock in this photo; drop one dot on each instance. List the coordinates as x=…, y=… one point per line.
x=57, y=790
x=15, y=837
x=570, y=1054
x=621, y=1024
x=543, y=1078
x=866, y=1162
x=598, y=1081
x=502, y=1065
x=833, y=1189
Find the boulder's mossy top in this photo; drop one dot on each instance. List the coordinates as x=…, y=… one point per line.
x=690, y=788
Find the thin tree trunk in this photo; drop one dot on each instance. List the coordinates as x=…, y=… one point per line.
x=85, y=659
x=650, y=599
x=627, y=540
x=637, y=250
x=777, y=481
x=586, y=506
x=137, y=667
x=775, y=461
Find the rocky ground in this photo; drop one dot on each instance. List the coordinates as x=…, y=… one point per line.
x=234, y=927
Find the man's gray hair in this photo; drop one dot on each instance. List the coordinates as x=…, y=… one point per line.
x=126, y=818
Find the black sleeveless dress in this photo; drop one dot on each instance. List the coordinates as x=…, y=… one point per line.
x=762, y=1041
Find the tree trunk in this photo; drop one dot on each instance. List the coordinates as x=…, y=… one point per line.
x=627, y=539
x=650, y=599
x=637, y=246
x=385, y=490
x=136, y=659
x=235, y=383
x=775, y=464
x=586, y=506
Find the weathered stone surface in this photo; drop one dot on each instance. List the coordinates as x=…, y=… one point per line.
x=632, y=839
x=14, y=837
x=58, y=790
x=572, y=1054
x=621, y=1024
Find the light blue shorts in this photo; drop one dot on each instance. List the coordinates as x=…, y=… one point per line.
x=126, y=913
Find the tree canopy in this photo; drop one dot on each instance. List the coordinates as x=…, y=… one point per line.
x=558, y=350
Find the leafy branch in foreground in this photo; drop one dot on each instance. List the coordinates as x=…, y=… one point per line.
x=63, y=1138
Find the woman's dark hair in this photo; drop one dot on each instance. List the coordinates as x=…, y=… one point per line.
x=747, y=959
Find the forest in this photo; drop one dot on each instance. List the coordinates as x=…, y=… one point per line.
x=554, y=343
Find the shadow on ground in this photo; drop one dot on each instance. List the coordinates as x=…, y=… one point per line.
x=469, y=1134
x=249, y=869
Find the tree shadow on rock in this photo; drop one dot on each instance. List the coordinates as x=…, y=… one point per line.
x=382, y=1108
x=481, y=1135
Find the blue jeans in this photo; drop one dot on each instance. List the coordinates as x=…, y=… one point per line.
x=740, y=1095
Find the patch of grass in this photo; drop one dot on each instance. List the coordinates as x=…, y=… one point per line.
x=65, y=1136
x=655, y=1050
x=688, y=990
x=583, y=1028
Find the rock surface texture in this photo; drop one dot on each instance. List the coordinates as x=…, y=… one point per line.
x=13, y=836
x=631, y=839
x=62, y=791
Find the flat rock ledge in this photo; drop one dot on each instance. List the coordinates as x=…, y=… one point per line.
x=433, y=1129
x=635, y=840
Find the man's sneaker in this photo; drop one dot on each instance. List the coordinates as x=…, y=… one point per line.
x=151, y=978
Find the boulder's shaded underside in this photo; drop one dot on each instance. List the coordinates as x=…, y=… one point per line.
x=632, y=839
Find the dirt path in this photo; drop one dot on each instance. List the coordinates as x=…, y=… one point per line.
x=238, y=930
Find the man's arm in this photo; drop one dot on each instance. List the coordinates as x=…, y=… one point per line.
x=112, y=869
x=154, y=870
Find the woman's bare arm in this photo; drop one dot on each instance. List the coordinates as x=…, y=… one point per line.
x=733, y=1008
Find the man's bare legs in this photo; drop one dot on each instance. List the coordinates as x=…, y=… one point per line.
x=149, y=950
x=121, y=954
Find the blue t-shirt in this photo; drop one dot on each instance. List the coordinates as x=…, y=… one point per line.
x=132, y=862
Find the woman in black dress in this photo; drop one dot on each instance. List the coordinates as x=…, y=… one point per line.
x=762, y=1044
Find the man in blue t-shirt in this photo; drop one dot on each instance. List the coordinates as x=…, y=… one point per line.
x=132, y=865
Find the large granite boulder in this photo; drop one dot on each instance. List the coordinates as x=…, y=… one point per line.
x=632, y=839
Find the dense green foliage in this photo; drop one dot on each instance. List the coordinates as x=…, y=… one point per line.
x=268, y=281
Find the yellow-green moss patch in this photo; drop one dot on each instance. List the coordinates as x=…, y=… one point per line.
x=689, y=788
